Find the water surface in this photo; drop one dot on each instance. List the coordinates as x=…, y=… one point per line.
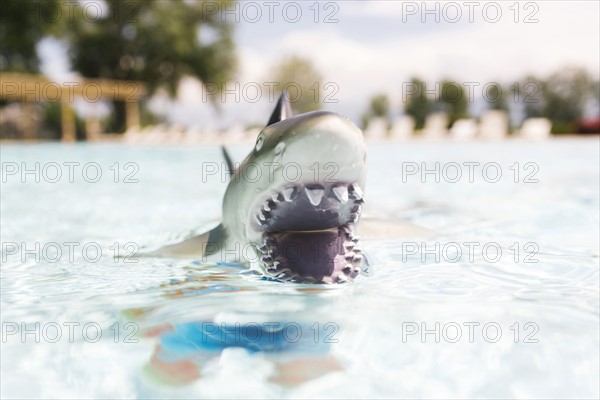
x=426, y=321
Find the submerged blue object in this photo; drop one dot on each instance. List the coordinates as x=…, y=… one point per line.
x=203, y=336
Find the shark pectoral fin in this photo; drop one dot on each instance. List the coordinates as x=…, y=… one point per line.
x=383, y=229
x=198, y=246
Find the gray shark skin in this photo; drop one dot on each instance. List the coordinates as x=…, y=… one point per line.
x=291, y=208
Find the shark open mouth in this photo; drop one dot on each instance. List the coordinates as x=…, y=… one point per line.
x=308, y=233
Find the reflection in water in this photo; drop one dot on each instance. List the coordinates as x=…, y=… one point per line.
x=299, y=351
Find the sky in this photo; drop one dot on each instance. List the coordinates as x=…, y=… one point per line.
x=367, y=48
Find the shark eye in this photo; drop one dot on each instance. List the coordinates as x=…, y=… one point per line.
x=259, y=143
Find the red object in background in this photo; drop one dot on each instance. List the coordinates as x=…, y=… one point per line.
x=591, y=125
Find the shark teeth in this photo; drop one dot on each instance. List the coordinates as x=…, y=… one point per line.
x=261, y=247
x=341, y=200
x=356, y=192
x=277, y=197
x=341, y=193
x=353, y=255
x=289, y=193
x=277, y=266
x=261, y=216
x=314, y=194
x=270, y=205
x=338, y=200
x=283, y=273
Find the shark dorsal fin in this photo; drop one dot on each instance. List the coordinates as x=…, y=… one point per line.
x=282, y=109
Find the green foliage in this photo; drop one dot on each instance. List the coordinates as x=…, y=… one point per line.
x=379, y=106
x=453, y=101
x=495, y=97
x=51, y=121
x=22, y=25
x=418, y=104
x=562, y=97
x=529, y=92
x=302, y=81
x=566, y=93
x=450, y=98
x=156, y=42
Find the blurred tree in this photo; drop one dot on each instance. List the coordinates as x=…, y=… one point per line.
x=529, y=93
x=304, y=84
x=562, y=97
x=156, y=42
x=22, y=25
x=566, y=93
x=418, y=104
x=51, y=128
x=595, y=103
x=379, y=106
x=495, y=97
x=453, y=101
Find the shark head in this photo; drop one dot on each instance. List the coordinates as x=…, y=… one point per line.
x=297, y=197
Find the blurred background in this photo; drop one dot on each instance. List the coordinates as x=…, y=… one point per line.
x=192, y=71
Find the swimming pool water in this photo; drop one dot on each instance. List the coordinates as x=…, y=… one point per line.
x=495, y=296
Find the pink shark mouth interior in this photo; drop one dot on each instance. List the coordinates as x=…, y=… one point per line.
x=308, y=233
